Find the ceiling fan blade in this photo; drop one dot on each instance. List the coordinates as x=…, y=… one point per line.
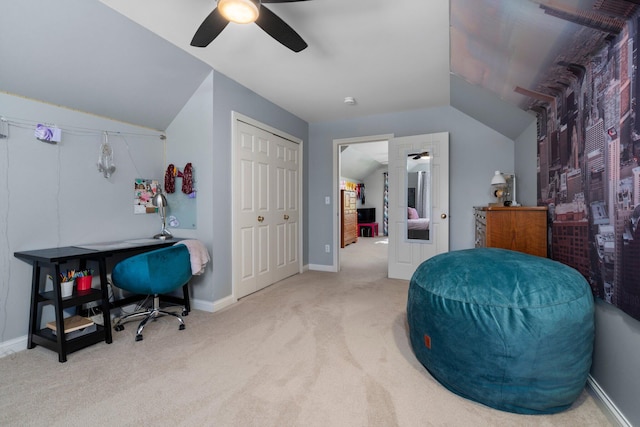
x=280, y=30
x=209, y=29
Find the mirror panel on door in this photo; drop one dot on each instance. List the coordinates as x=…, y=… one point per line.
x=418, y=196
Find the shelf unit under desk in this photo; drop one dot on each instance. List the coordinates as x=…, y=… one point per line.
x=50, y=260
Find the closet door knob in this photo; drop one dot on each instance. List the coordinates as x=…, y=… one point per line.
x=260, y=218
x=443, y=216
x=286, y=217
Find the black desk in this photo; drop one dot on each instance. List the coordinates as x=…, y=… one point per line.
x=51, y=259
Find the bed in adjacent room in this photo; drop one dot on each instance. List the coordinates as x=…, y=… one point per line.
x=417, y=228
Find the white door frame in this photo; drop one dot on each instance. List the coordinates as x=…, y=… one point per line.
x=235, y=118
x=336, y=190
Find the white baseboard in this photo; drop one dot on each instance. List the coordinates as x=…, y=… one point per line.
x=321, y=267
x=199, y=304
x=13, y=346
x=224, y=303
x=608, y=407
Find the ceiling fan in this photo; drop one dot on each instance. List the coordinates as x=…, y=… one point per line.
x=244, y=12
x=418, y=156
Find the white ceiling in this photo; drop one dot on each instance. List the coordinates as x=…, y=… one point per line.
x=390, y=55
x=359, y=160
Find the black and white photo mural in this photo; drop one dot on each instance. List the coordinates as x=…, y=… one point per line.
x=588, y=160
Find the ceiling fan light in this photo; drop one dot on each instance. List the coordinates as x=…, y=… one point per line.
x=239, y=11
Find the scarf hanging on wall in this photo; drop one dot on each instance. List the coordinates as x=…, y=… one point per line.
x=170, y=179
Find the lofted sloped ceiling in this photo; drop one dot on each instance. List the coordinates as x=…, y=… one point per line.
x=83, y=55
x=358, y=161
x=132, y=61
x=525, y=51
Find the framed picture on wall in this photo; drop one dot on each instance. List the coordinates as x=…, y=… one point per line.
x=143, y=192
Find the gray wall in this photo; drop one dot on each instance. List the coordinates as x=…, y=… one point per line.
x=202, y=134
x=189, y=139
x=476, y=151
x=53, y=195
x=616, y=359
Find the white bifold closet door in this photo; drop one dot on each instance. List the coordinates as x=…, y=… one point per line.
x=266, y=209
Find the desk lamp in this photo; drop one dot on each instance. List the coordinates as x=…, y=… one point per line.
x=499, y=187
x=503, y=188
x=160, y=201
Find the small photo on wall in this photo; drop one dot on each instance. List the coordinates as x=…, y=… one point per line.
x=144, y=190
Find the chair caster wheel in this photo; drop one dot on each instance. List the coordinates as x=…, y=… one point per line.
x=118, y=328
x=139, y=337
x=185, y=313
x=181, y=327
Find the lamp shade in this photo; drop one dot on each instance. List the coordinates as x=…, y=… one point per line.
x=159, y=200
x=239, y=11
x=498, y=179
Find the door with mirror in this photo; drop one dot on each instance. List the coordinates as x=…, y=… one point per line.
x=418, y=201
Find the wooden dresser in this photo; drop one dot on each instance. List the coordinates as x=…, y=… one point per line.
x=348, y=218
x=522, y=228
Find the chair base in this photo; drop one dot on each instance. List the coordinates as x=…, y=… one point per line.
x=149, y=315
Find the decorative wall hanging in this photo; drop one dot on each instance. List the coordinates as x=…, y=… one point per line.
x=170, y=179
x=182, y=204
x=47, y=133
x=354, y=186
x=187, y=179
x=105, y=158
x=589, y=167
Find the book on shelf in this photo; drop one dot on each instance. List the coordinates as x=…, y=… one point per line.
x=72, y=323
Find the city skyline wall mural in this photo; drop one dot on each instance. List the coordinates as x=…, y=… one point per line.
x=588, y=170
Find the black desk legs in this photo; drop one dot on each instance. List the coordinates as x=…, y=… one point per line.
x=57, y=292
x=42, y=297
x=104, y=286
x=187, y=301
x=33, y=311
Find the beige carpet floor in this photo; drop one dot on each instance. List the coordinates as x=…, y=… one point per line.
x=317, y=349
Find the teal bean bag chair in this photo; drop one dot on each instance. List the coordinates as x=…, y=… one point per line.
x=509, y=330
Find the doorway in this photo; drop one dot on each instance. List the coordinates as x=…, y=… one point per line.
x=354, y=151
x=404, y=253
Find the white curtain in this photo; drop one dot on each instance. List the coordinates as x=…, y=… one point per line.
x=422, y=194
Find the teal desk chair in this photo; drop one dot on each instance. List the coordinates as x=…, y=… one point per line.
x=153, y=273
